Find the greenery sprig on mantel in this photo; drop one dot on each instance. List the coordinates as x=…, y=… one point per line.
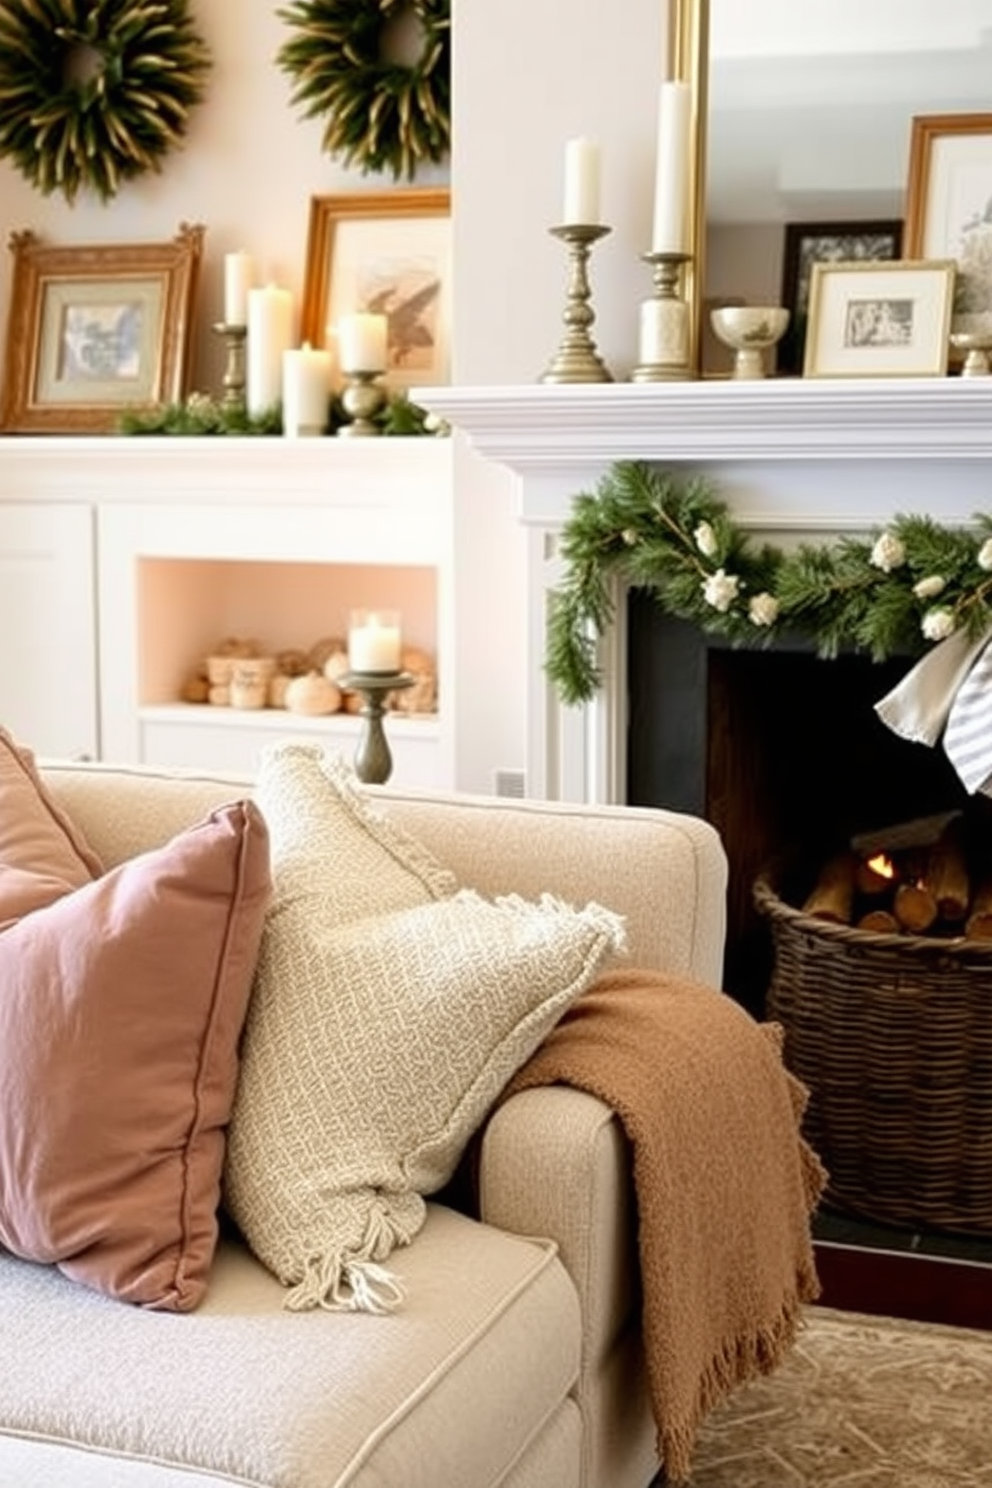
x=200, y=415
x=896, y=592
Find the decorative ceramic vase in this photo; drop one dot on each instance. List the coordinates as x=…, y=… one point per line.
x=976, y=345
x=749, y=331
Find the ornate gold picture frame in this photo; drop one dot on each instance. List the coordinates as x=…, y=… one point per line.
x=95, y=330
x=386, y=252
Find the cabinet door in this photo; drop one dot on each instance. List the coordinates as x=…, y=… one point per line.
x=48, y=682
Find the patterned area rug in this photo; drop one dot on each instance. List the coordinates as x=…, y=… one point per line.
x=861, y=1402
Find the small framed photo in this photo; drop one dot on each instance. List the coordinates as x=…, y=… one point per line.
x=807, y=243
x=879, y=319
x=949, y=207
x=386, y=253
x=95, y=330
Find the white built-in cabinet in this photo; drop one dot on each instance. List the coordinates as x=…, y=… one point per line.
x=123, y=561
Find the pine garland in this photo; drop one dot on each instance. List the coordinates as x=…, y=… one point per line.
x=95, y=92
x=381, y=114
x=906, y=586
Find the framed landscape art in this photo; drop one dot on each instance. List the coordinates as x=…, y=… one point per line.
x=96, y=330
x=949, y=207
x=387, y=253
x=879, y=319
x=807, y=243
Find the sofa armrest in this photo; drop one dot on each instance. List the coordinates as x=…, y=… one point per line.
x=554, y=1162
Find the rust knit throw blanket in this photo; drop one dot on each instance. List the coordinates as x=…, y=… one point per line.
x=725, y=1185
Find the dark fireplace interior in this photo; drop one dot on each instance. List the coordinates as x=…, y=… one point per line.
x=780, y=750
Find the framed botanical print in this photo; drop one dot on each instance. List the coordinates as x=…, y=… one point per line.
x=949, y=207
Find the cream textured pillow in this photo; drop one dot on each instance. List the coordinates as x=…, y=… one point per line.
x=334, y=857
x=373, y=1051
x=387, y=1014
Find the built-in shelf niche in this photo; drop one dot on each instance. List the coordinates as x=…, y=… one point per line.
x=187, y=606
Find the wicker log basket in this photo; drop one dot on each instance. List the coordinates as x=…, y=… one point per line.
x=892, y=1033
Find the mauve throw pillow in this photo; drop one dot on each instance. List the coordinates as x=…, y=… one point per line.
x=42, y=854
x=121, y=1009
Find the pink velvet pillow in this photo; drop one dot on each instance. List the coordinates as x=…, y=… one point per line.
x=121, y=1009
x=42, y=855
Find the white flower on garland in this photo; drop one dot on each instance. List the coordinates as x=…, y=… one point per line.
x=888, y=553
x=985, y=556
x=930, y=587
x=938, y=624
x=720, y=590
x=705, y=540
x=763, y=609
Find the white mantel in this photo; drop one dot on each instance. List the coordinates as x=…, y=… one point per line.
x=794, y=459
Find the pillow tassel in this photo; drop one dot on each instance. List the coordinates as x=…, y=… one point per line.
x=349, y=1278
x=338, y=1284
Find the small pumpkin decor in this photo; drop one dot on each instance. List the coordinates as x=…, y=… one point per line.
x=379, y=72
x=312, y=694
x=95, y=92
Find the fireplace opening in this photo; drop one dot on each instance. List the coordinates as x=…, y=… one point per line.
x=779, y=749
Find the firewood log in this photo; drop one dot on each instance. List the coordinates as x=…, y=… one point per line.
x=832, y=896
x=914, y=907
x=881, y=921
x=947, y=873
x=978, y=925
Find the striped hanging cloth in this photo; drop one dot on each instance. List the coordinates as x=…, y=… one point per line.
x=968, y=735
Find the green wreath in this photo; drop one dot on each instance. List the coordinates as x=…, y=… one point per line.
x=382, y=113
x=94, y=92
x=907, y=586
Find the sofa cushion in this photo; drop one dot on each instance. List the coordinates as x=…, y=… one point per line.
x=121, y=1007
x=42, y=854
x=376, y=1044
x=483, y=1356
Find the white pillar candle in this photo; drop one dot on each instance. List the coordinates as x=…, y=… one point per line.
x=362, y=342
x=270, y=325
x=581, y=183
x=306, y=391
x=239, y=272
x=374, y=641
x=671, y=191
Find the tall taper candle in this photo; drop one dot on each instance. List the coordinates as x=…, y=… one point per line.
x=238, y=275
x=671, y=191
x=581, y=184
x=270, y=324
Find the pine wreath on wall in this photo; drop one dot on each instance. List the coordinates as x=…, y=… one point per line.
x=379, y=72
x=95, y=92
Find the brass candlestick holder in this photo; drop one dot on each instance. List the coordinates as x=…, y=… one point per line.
x=577, y=359
x=235, y=337
x=363, y=398
x=373, y=760
x=664, y=347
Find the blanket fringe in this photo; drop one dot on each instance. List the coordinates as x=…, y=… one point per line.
x=739, y=1362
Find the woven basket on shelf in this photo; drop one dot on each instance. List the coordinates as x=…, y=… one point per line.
x=893, y=1036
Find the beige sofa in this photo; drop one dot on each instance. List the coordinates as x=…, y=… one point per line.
x=517, y=1359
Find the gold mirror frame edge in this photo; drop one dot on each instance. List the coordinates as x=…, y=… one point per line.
x=688, y=61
